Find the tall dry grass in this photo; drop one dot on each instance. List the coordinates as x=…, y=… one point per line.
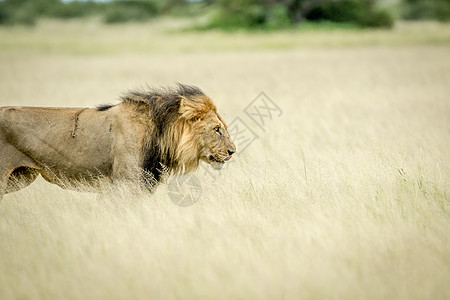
x=344, y=196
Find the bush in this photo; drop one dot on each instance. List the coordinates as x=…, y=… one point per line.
x=283, y=13
x=74, y=9
x=24, y=12
x=377, y=18
x=239, y=13
x=129, y=11
x=358, y=12
x=426, y=9
x=28, y=11
x=278, y=17
x=25, y=16
x=5, y=16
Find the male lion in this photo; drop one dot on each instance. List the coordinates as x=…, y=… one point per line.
x=147, y=133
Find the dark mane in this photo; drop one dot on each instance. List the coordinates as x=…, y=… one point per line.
x=164, y=106
x=167, y=94
x=164, y=103
x=104, y=107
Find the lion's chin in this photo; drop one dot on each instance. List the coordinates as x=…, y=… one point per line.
x=217, y=165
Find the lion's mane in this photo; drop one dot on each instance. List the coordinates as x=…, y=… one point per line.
x=171, y=141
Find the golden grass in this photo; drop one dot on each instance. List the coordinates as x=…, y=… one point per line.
x=344, y=196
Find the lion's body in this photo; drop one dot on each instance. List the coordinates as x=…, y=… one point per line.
x=142, y=134
x=67, y=144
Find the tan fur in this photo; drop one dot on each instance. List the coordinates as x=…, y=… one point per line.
x=72, y=145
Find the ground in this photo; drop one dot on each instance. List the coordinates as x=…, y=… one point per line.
x=342, y=192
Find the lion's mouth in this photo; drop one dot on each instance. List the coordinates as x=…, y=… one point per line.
x=212, y=158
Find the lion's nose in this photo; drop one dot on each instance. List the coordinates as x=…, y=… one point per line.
x=230, y=152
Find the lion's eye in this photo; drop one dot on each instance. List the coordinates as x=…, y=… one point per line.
x=217, y=129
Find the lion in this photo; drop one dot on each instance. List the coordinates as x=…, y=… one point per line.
x=148, y=134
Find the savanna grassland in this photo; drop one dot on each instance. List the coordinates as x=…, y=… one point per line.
x=343, y=195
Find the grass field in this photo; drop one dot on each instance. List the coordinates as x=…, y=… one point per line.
x=345, y=195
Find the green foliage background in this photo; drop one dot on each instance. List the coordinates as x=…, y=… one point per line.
x=283, y=13
x=427, y=9
x=230, y=14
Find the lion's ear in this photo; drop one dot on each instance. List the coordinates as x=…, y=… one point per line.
x=191, y=109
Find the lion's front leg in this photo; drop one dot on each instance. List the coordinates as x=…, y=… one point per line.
x=127, y=152
x=127, y=174
x=125, y=168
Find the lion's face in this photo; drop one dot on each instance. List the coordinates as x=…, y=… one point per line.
x=216, y=144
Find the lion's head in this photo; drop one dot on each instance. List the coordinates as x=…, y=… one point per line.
x=206, y=127
x=183, y=128
x=217, y=144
